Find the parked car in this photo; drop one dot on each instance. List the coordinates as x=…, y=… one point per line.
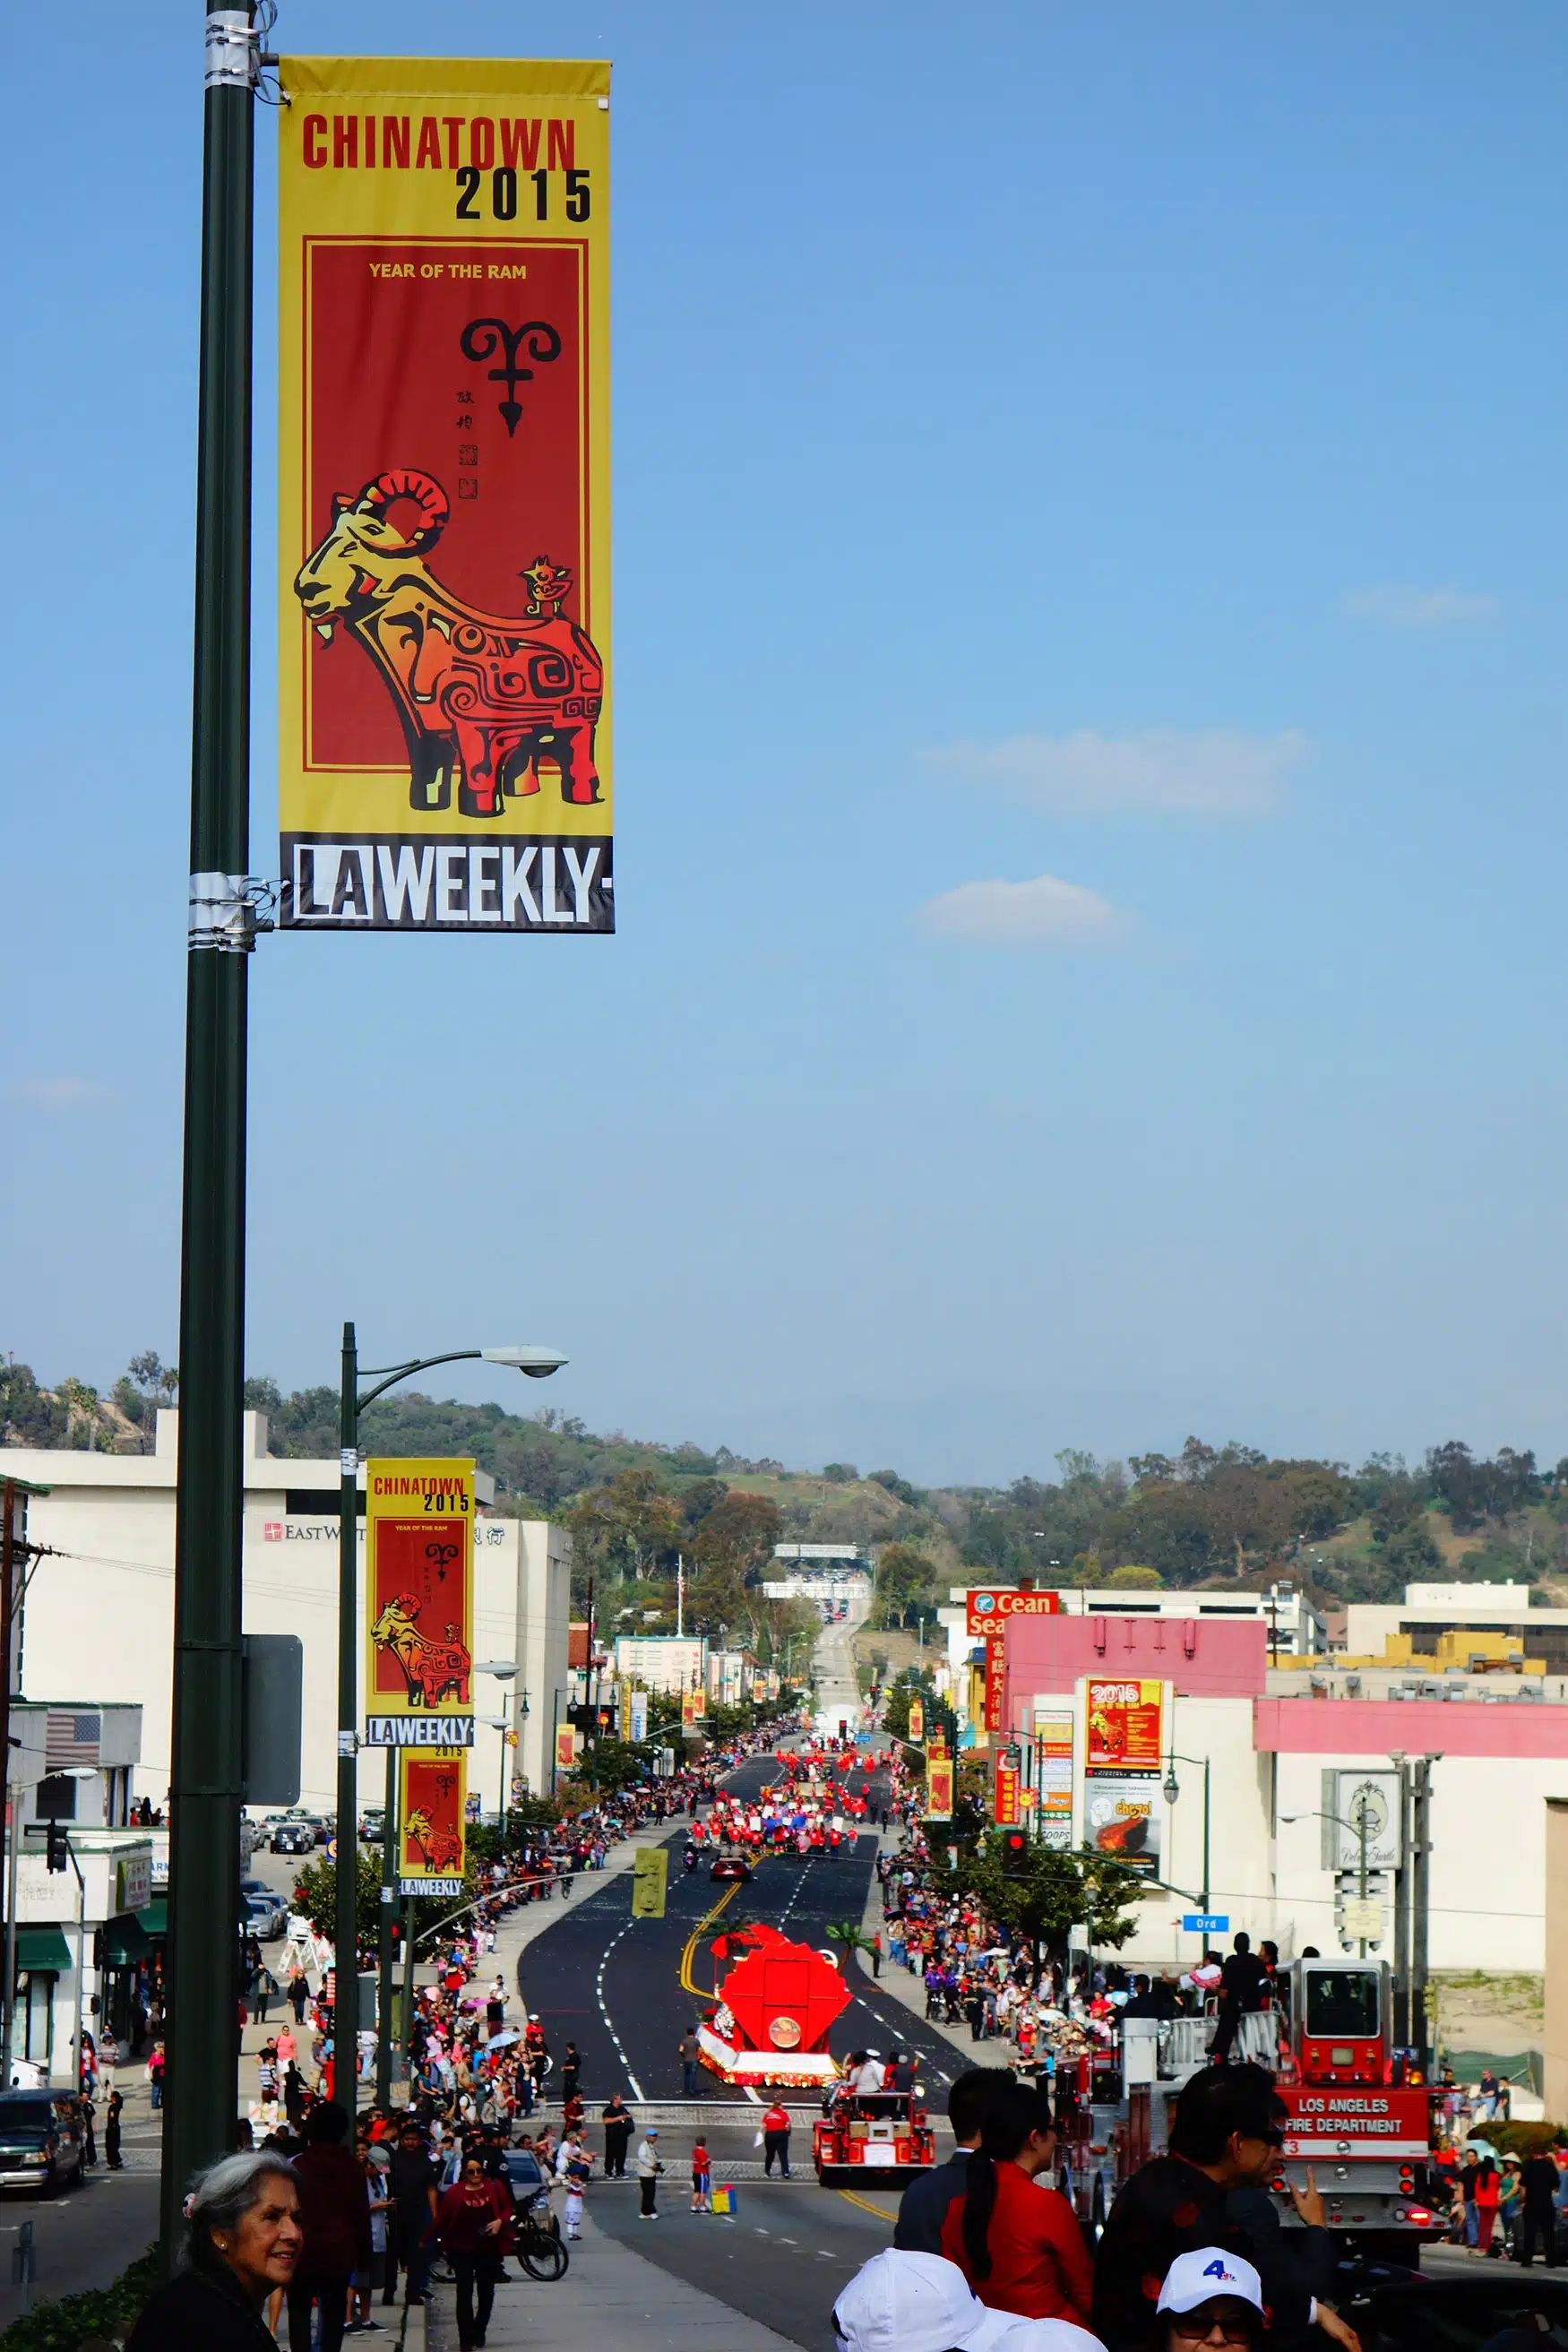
x=264, y=1917
x=292, y=1837
x=372, y=1823
x=322, y=1832
x=40, y=2141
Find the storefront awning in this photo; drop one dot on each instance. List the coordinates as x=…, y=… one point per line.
x=42, y=1951
x=155, y=1920
x=124, y=1941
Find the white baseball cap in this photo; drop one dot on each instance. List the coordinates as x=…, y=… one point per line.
x=1205, y=2275
x=919, y=2303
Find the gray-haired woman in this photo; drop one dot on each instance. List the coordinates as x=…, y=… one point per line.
x=243, y=2243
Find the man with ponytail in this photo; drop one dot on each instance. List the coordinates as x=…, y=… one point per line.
x=1019, y=2243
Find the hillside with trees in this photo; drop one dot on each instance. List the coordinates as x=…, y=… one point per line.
x=1208, y=1517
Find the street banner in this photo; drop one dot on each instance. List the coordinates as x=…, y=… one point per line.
x=917, y=1721
x=419, y=1603
x=649, y=1877
x=431, y=1820
x=1054, y=1769
x=638, y=1716
x=565, y=1746
x=938, y=1789
x=1124, y=1724
x=693, y=1708
x=443, y=521
x=1005, y=1808
x=995, y=1677
x=987, y=1609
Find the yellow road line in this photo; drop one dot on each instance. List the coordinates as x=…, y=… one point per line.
x=865, y=2206
x=704, y=1993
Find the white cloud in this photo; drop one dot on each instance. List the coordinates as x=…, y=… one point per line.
x=1045, y=913
x=1161, y=772
x=54, y=1094
x=1420, y=608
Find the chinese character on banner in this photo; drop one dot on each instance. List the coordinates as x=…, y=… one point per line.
x=1006, y=1795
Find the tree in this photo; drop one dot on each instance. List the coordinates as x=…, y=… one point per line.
x=737, y=1535
x=840, y=1473
x=906, y=1579
x=1054, y=1893
x=628, y=1526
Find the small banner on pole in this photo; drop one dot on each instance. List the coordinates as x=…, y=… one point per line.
x=939, y=1790
x=419, y=1604
x=650, y=1876
x=431, y=1818
x=565, y=1746
x=917, y=1721
x=444, y=737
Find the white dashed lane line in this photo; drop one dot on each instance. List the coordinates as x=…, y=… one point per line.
x=603, y=2012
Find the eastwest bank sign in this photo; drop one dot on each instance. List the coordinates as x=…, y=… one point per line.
x=986, y=1611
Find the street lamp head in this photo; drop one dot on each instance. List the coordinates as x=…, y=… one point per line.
x=535, y=1363
x=1173, y=1786
x=504, y=1669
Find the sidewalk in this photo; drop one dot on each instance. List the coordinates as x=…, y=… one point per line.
x=909, y=1990
x=609, y=2295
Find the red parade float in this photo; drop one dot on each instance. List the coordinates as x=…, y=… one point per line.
x=776, y=2006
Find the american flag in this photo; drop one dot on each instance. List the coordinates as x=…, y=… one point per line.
x=70, y=1738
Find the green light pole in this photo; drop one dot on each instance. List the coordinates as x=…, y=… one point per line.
x=1173, y=1789
x=537, y=1364
x=203, y=2040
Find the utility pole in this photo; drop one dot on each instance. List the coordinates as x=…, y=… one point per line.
x=203, y=2043
x=345, y=1939
x=1402, y=1908
x=1420, y=1889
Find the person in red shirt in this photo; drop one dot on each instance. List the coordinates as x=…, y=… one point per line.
x=775, y=2138
x=471, y=2220
x=1018, y=2243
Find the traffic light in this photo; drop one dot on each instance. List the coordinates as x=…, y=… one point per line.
x=57, y=1850
x=1015, y=1853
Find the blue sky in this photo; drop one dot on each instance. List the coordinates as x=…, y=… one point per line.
x=1088, y=512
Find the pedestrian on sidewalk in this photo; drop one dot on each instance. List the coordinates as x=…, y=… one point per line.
x=335, y=2218
x=111, y=2155
x=571, y=2068
x=690, y=2055
x=576, y=2167
x=470, y=2221
x=411, y=2181
x=298, y=1992
x=877, y=1952
x=617, y=2120
x=648, y=2169
x=155, y=2076
x=775, y=2139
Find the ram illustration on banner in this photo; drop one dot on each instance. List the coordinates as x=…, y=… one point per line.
x=432, y=1819
x=444, y=736
x=419, y=1603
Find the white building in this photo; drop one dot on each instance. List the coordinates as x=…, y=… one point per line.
x=113, y=1917
x=99, y=1607
x=666, y=1663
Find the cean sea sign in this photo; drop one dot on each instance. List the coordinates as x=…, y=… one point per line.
x=444, y=591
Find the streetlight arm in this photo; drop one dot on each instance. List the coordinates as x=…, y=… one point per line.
x=386, y=1376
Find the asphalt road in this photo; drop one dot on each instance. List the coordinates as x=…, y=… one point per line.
x=614, y=1984
x=83, y=2238
x=790, y=2250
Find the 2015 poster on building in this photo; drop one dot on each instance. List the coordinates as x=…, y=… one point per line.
x=419, y=1603
x=445, y=741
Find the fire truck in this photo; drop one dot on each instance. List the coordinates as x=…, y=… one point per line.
x=884, y=2136
x=1365, y=2136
